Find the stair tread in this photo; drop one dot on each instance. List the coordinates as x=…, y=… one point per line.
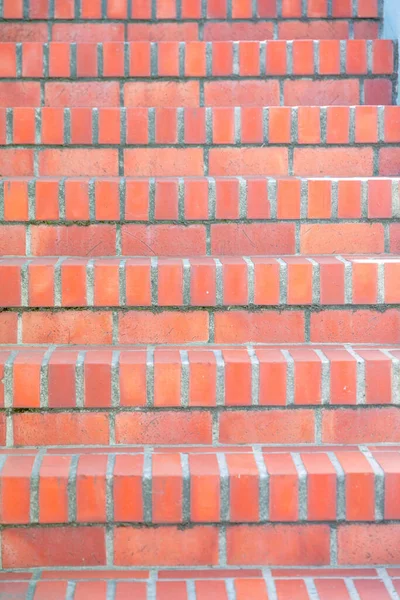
x=364, y=583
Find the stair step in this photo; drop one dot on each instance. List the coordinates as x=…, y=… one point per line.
x=212, y=30
x=237, y=507
x=198, y=199
x=188, y=9
x=204, y=584
x=199, y=282
x=241, y=126
x=210, y=73
x=200, y=395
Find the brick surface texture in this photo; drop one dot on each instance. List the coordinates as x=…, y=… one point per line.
x=199, y=300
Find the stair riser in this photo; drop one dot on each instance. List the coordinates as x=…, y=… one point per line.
x=297, y=325
x=224, y=30
x=190, y=378
x=224, y=239
x=178, y=488
x=187, y=9
x=269, y=545
x=185, y=427
x=201, y=584
x=205, y=199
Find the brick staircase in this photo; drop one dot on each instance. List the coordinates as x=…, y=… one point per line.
x=200, y=300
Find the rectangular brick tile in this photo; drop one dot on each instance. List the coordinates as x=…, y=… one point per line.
x=272, y=427
x=336, y=238
x=78, y=93
x=248, y=161
x=166, y=546
x=235, y=327
x=163, y=240
x=78, y=162
x=241, y=93
x=278, y=544
x=163, y=328
x=302, y=92
x=374, y=425
x=150, y=162
x=365, y=326
x=163, y=428
x=337, y=162
x=53, y=546
x=162, y=93
x=95, y=240
x=67, y=328
x=252, y=238
x=32, y=429
x=369, y=544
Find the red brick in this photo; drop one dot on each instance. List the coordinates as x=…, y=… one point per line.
x=13, y=9
x=263, y=326
x=241, y=93
x=138, y=282
x=59, y=59
x=10, y=283
x=276, y=58
x=91, y=489
x=359, y=326
x=299, y=280
x=53, y=546
x=16, y=162
x=365, y=283
x=203, y=282
x=26, y=380
x=389, y=161
x=127, y=488
x=338, y=125
x=249, y=58
x=81, y=126
x=312, y=29
x=96, y=240
x=167, y=488
x=166, y=200
x=75, y=93
x=279, y=127
x=373, y=425
x=349, y=199
x=359, y=486
x=278, y=544
x=366, y=126
x=87, y=32
x=61, y=375
x=60, y=429
x=243, y=488
x=161, y=93
x=8, y=60
x=165, y=327
x=160, y=32
x=8, y=328
x=197, y=546
x=72, y=327
x=95, y=161
x=47, y=194
x=73, y=282
x=23, y=125
x=97, y=379
x=132, y=378
x=205, y=488
x=383, y=58
x=273, y=372
x=76, y=200
x=389, y=461
x=395, y=237
x=137, y=200
x=337, y=162
x=283, y=487
x=333, y=238
x=167, y=378
x=166, y=126
x=202, y=378
x=86, y=59
x=150, y=162
x=272, y=427
x=19, y=93
x=15, y=490
x=369, y=544
x=303, y=57
x=321, y=487
x=378, y=91
x=226, y=31
x=170, y=282
x=379, y=198
x=53, y=489
x=164, y=427
x=321, y=93
x=319, y=199
x=195, y=126
x=195, y=59
x=356, y=57
x=248, y=161
x=157, y=240
x=16, y=200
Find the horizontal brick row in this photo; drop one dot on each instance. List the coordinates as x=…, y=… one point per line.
x=197, y=59
x=199, y=377
x=262, y=29
x=199, y=240
x=199, y=488
x=234, y=92
x=188, y=9
x=192, y=161
x=201, y=585
x=241, y=545
x=184, y=428
x=254, y=125
x=294, y=325
x=203, y=281
x=197, y=199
